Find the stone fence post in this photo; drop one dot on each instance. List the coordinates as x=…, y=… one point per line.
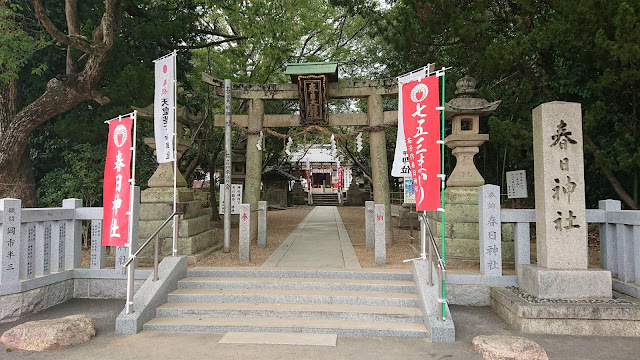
x=369, y=218
x=73, y=236
x=10, y=241
x=244, y=232
x=380, y=235
x=262, y=224
x=608, y=256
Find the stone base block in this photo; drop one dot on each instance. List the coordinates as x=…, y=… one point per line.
x=186, y=227
x=565, y=284
x=165, y=195
x=161, y=211
x=617, y=317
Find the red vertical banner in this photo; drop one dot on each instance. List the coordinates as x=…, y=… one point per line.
x=340, y=178
x=116, y=188
x=421, y=121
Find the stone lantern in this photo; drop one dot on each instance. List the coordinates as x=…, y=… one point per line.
x=465, y=139
x=461, y=194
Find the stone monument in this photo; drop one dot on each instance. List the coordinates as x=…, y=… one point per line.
x=196, y=238
x=561, y=228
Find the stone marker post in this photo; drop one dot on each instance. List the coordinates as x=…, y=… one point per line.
x=380, y=233
x=490, y=230
x=244, y=232
x=10, y=241
x=369, y=221
x=561, y=229
x=262, y=223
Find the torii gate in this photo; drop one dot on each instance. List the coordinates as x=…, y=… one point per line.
x=256, y=120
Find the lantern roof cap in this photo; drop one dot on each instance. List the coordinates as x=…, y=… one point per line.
x=330, y=69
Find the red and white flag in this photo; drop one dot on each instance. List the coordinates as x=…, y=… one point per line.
x=116, y=190
x=164, y=108
x=420, y=99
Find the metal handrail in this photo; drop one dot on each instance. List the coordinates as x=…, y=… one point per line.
x=128, y=264
x=133, y=257
x=439, y=264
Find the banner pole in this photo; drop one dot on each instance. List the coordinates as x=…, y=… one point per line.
x=175, y=153
x=442, y=192
x=227, y=166
x=132, y=184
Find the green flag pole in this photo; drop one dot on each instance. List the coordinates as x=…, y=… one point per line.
x=442, y=194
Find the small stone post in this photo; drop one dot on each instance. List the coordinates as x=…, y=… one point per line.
x=490, y=230
x=9, y=241
x=244, y=248
x=262, y=224
x=369, y=224
x=380, y=233
x=73, y=239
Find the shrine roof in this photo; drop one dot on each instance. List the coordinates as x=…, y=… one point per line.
x=313, y=68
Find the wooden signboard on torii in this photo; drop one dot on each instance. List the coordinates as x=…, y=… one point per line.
x=313, y=84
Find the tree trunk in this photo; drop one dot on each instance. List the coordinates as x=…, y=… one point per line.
x=608, y=174
x=20, y=184
x=61, y=95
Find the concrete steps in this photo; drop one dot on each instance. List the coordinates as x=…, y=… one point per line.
x=325, y=199
x=374, y=303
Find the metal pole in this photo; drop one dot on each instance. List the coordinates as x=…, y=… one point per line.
x=175, y=153
x=132, y=183
x=156, y=249
x=227, y=165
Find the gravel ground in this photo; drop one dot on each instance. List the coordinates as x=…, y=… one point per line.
x=280, y=223
x=399, y=250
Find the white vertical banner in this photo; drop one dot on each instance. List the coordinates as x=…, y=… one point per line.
x=401, y=158
x=164, y=107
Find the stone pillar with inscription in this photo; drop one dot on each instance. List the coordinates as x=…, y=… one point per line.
x=561, y=228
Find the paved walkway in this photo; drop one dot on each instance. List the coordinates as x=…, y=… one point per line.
x=319, y=241
x=153, y=345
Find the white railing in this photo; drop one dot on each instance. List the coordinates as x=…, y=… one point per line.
x=42, y=246
x=619, y=241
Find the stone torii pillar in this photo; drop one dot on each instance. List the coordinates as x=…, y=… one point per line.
x=251, y=194
x=379, y=168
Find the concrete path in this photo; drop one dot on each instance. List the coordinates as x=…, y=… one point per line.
x=319, y=241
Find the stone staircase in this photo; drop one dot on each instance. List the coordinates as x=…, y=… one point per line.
x=325, y=199
x=363, y=302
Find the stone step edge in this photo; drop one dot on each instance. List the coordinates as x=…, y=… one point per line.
x=284, y=325
x=203, y=279
x=306, y=274
x=284, y=307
